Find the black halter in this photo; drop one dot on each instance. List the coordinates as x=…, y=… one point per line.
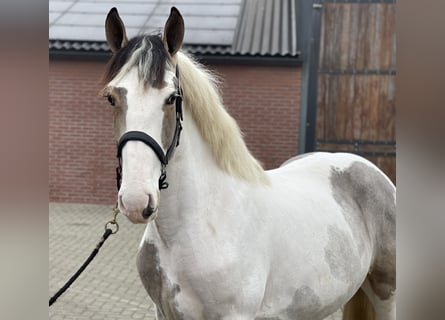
x=149, y=141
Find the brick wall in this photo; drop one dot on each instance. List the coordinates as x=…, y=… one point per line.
x=265, y=101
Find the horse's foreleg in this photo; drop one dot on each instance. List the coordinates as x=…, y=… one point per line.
x=384, y=306
x=385, y=309
x=159, y=315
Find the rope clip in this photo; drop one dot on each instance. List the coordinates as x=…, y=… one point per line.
x=113, y=221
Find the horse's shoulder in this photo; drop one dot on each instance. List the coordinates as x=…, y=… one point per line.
x=156, y=279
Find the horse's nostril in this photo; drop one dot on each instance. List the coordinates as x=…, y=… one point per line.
x=150, y=209
x=148, y=212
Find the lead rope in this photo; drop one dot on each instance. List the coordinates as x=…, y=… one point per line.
x=105, y=236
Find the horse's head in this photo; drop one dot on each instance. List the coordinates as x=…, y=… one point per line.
x=142, y=87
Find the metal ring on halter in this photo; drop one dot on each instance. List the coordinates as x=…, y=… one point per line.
x=113, y=221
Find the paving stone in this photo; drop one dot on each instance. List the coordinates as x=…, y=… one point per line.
x=110, y=287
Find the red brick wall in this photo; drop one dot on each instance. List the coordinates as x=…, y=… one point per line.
x=265, y=100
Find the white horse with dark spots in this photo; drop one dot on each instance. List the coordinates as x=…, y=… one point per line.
x=227, y=239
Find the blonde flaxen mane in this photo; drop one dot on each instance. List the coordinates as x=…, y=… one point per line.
x=217, y=127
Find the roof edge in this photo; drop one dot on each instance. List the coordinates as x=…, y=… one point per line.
x=98, y=51
x=262, y=60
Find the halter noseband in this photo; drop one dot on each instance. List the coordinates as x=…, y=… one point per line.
x=149, y=141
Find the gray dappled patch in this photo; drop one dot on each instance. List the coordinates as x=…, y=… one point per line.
x=155, y=280
x=368, y=202
x=305, y=304
x=340, y=255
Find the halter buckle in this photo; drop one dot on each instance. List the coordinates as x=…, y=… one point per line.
x=163, y=184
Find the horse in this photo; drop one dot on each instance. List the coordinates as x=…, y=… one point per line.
x=228, y=239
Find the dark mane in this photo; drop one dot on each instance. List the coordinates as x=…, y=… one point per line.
x=151, y=60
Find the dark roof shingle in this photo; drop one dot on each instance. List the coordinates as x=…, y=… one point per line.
x=267, y=28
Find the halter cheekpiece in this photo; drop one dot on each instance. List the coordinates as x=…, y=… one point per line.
x=149, y=141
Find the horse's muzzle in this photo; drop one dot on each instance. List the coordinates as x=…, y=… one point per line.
x=139, y=207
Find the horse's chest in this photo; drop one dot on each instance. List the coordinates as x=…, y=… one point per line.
x=162, y=290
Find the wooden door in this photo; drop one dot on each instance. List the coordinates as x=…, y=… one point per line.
x=356, y=81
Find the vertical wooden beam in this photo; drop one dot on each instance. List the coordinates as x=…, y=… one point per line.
x=310, y=35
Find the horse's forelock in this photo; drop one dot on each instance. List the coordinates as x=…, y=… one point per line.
x=147, y=52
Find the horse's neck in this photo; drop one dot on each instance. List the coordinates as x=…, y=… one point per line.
x=198, y=188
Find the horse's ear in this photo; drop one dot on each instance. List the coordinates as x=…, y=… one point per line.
x=173, y=32
x=115, y=31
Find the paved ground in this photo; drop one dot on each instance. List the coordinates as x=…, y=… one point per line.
x=110, y=287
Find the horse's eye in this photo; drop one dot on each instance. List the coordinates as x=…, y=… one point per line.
x=171, y=99
x=110, y=99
